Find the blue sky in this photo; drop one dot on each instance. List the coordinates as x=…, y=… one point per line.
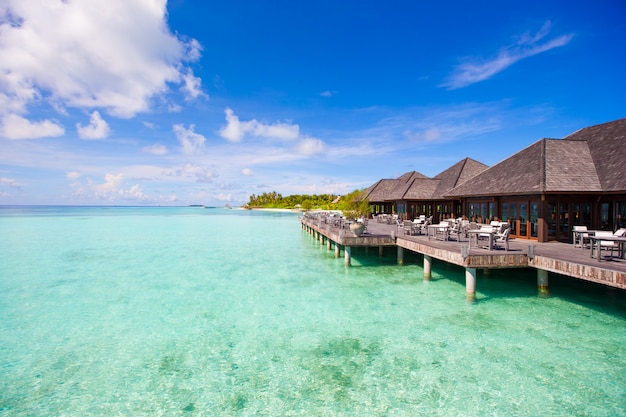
x=145, y=102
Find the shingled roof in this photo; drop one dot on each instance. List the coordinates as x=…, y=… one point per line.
x=416, y=186
x=607, y=144
x=589, y=160
x=457, y=174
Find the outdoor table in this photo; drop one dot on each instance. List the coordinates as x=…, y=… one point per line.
x=580, y=235
x=438, y=229
x=478, y=232
x=596, y=242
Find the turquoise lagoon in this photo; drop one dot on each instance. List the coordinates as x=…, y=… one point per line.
x=210, y=312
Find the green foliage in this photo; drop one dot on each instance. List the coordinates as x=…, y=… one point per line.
x=355, y=205
x=306, y=202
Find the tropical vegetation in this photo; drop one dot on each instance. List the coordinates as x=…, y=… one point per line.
x=353, y=205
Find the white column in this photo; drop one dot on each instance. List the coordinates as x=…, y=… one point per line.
x=337, y=250
x=542, y=283
x=348, y=253
x=428, y=265
x=470, y=284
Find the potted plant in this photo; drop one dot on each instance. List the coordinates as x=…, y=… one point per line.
x=355, y=206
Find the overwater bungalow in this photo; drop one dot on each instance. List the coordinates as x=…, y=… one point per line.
x=542, y=191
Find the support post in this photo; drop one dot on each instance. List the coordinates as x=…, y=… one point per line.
x=329, y=244
x=380, y=251
x=337, y=250
x=400, y=255
x=347, y=255
x=428, y=265
x=542, y=283
x=321, y=239
x=470, y=284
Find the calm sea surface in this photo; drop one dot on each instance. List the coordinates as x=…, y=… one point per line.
x=210, y=312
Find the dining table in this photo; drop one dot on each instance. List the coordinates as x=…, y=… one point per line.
x=475, y=233
x=438, y=231
x=596, y=243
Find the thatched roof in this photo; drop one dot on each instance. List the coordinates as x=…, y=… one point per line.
x=589, y=160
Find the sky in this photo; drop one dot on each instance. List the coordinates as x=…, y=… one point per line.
x=148, y=102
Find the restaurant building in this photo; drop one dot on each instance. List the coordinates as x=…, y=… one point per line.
x=554, y=184
x=542, y=191
x=414, y=194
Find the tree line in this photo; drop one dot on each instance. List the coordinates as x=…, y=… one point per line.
x=353, y=203
x=304, y=201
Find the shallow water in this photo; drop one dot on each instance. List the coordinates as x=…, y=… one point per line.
x=191, y=312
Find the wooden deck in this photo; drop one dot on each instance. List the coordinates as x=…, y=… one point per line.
x=561, y=258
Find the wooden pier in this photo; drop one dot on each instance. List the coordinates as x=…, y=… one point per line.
x=560, y=258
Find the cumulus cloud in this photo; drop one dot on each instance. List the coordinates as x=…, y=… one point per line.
x=112, y=189
x=192, y=86
x=97, y=128
x=115, y=55
x=191, y=141
x=472, y=71
x=156, y=149
x=17, y=127
x=235, y=129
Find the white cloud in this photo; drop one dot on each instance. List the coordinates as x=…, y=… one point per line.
x=223, y=197
x=97, y=128
x=235, y=129
x=115, y=55
x=246, y=171
x=192, y=86
x=328, y=93
x=191, y=141
x=193, y=50
x=472, y=71
x=310, y=146
x=17, y=127
x=198, y=173
x=156, y=149
x=111, y=190
x=72, y=175
x=10, y=182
